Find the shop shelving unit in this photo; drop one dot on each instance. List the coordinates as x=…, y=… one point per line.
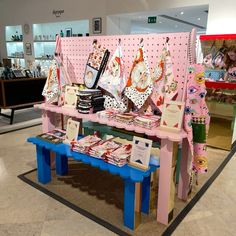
x=182, y=47
x=220, y=109
x=15, y=48
x=44, y=36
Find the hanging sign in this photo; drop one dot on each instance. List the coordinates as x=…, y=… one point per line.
x=57, y=13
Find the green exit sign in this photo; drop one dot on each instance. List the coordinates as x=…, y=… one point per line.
x=152, y=19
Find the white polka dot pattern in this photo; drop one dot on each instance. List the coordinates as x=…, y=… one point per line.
x=76, y=50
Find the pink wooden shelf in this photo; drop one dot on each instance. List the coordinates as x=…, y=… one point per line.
x=157, y=132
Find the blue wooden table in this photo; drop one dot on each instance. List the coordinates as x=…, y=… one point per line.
x=131, y=175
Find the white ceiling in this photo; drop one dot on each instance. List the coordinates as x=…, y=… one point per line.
x=193, y=17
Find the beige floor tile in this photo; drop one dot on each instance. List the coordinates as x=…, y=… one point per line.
x=27, y=211
x=58, y=211
x=74, y=228
x=29, y=229
x=22, y=204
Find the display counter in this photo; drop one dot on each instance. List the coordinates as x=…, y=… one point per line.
x=20, y=93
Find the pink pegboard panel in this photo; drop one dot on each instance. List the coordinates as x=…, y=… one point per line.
x=75, y=51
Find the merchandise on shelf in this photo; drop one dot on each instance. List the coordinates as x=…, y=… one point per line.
x=219, y=53
x=113, y=80
x=118, y=157
x=214, y=75
x=147, y=121
x=139, y=85
x=55, y=136
x=108, y=150
x=96, y=65
x=90, y=101
x=126, y=118
x=107, y=114
x=102, y=148
x=84, y=144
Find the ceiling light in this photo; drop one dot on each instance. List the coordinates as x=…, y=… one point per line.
x=160, y=22
x=181, y=13
x=176, y=26
x=198, y=18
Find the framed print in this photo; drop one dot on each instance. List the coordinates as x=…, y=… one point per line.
x=28, y=50
x=68, y=32
x=70, y=99
x=72, y=131
x=172, y=116
x=140, y=153
x=97, y=25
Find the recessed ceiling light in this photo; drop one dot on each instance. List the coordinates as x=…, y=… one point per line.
x=160, y=22
x=181, y=13
x=198, y=18
x=176, y=26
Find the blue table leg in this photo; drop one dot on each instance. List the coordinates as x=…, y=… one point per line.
x=129, y=204
x=146, y=184
x=61, y=164
x=43, y=165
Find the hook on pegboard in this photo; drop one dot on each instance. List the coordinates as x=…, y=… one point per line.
x=167, y=39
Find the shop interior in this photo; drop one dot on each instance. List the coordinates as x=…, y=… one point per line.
x=137, y=114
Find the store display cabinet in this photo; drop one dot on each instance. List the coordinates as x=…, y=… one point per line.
x=221, y=93
x=14, y=44
x=44, y=36
x=20, y=93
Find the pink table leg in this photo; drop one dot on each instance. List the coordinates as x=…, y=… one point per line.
x=48, y=121
x=184, y=177
x=48, y=124
x=166, y=193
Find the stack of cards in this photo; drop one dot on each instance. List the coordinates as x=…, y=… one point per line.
x=84, y=144
x=126, y=118
x=147, y=121
x=102, y=148
x=106, y=114
x=55, y=136
x=118, y=157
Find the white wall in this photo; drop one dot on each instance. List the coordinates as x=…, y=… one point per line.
x=117, y=25
x=15, y=12
x=127, y=6
x=222, y=17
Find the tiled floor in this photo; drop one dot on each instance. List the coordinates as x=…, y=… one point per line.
x=25, y=211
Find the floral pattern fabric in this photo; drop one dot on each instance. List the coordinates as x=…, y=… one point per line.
x=139, y=85
x=113, y=79
x=165, y=85
x=51, y=88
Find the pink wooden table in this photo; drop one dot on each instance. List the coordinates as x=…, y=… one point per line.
x=168, y=153
x=74, y=53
